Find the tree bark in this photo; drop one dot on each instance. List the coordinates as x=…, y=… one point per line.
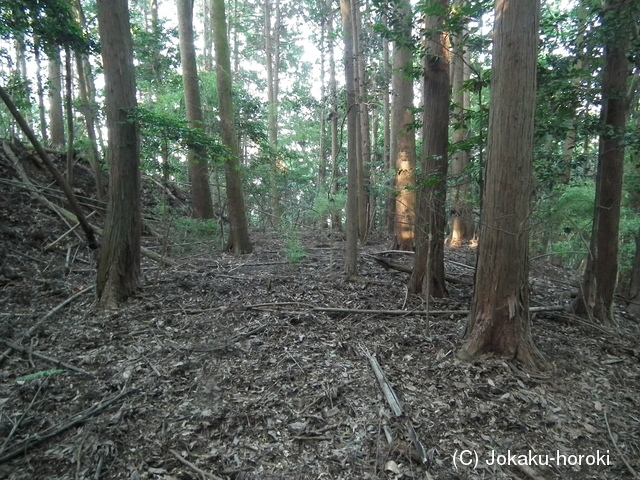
x=403, y=147
x=336, y=217
x=351, y=253
x=428, y=271
x=56, y=118
x=119, y=267
x=86, y=107
x=499, y=320
x=390, y=204
x=364, y=158
x=196, y=157
x=69, y=112
x=324, y=112
x=239, y=241
x=272, y=59
x=41, y=109
x=462, y=225
x=600, y=278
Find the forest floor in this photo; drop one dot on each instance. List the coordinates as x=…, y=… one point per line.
x=227, y=367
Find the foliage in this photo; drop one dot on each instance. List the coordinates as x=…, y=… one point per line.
x=157, y=55
x=52, y=23
x=294, y=250
x=160, y=127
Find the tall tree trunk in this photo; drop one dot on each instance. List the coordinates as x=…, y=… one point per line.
x=239, y=241
x=272, y=58
x=600, y=277
x=462, y=228
x=403, y=146
x=196, y=157
x=390, y=203
x=21, y=60
x=351, y=253
x=364, y=159
x=499, y=320
x=87, y=109
x=69, y=111
x=336, y=217
x=428, y=268
x=56, y=118
x=119, y=267
x=324, y=112
x=579, y=62
x=41, y=109
x=208, y=38
x=90, y=123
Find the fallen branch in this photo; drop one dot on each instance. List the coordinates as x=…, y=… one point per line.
x=37, y=439
x=62, y=183
x=51, y=313
x=615, y=444
x=70, y=216
x=405, y=269
x=55, y=361
x=394, y=403
x=193, y=467
x=388, y=312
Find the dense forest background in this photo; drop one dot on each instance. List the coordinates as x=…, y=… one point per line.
x=248, y=168
x=288, y=88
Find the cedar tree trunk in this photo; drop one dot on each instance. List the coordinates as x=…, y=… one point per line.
x=119, y=267
x=499, y=320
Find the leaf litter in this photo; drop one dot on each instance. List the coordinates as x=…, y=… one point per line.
x=228, y=367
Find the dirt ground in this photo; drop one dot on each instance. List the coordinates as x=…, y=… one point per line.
x=229, y=367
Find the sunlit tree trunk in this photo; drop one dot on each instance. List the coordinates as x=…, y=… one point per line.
x=196, y=157
x=324, y=112
x=272, y=58
x=364, y=140
x=21, y=60
x=56, y=118
x=119, y=267
x=595, y=298
x=351, y=253
x=499, y=320
x=208, y=37
x=428, y=268
x=336, y=216
x=239, y=241
x=403, y=146
x=462, y=225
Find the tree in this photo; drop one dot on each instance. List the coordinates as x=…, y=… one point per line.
x=336, y=217
x=351, y=253
x=462, y=227
x=197, y=159
x=239, y=241
x=428, y=268
x=119, y=267
x=619, y=22
x=499, y=320
x=363, y=137
x=403, y=146
x=272, y=59
x=56, y=119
